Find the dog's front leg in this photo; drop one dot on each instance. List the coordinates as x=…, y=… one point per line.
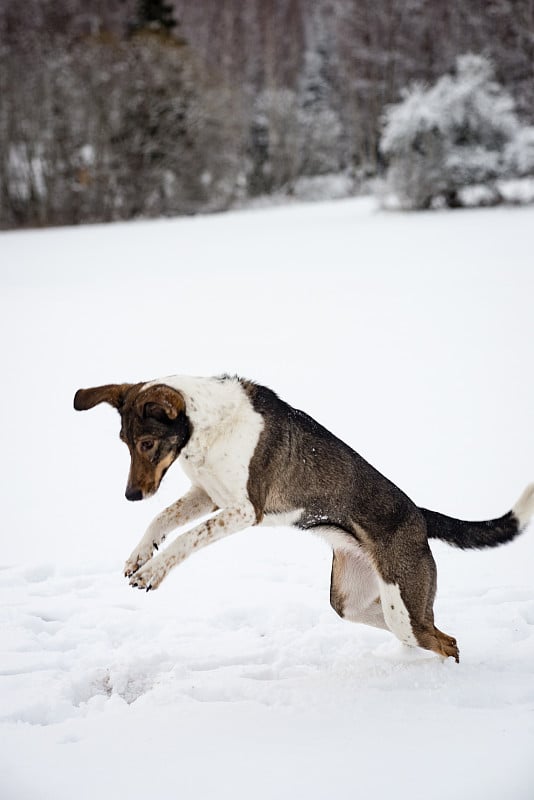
x=191, y=506
x=230, y=520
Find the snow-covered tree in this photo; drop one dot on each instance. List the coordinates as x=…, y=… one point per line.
x=519, y=153
x=274, y=150
x=320, y=126
x=452, y=135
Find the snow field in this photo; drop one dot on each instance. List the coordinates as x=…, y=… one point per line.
x=408, y=336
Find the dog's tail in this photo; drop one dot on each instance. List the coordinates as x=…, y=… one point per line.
x=476, y=535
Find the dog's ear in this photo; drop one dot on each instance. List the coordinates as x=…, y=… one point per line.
x=112, y=393
x=160, y=402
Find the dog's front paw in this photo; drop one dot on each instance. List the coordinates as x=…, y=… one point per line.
x=150, y=575
x=139, y=556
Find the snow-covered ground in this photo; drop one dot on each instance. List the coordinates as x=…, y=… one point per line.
x=409, y=336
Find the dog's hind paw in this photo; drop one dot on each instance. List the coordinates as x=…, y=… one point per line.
x=447, y=646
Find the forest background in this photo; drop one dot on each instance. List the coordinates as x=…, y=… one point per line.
x=117, y=109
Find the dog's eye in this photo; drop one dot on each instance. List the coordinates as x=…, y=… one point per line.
x=146, y=445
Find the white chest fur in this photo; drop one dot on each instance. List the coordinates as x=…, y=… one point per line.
x=226, y=429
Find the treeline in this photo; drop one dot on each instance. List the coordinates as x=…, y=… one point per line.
x=115, y=109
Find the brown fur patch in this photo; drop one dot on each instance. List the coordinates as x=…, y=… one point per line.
x=162, y=466
x=112, y=393
x=337, y=598
x=159, y=396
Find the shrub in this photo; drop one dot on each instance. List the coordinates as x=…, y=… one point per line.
x=461, y=132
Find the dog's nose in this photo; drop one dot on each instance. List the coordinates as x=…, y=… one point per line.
x=134, y=494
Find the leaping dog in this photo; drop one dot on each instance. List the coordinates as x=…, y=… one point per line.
x=255, y=460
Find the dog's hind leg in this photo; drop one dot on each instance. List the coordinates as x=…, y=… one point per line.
x=354, y=587
x=191, y=506
x=407, y=581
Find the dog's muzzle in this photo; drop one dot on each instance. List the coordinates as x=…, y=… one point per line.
x=133, y=494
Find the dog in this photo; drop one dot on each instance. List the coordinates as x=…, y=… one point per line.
x=255, y=460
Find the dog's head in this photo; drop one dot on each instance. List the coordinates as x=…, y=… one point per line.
x=154, y=425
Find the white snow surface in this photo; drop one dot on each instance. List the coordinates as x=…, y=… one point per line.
x=409, y=336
